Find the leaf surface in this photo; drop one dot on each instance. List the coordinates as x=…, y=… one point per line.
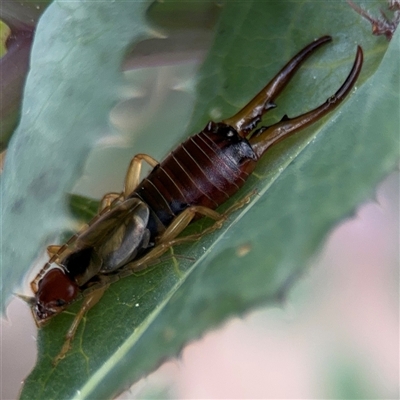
x=306, y=185
x=71, y=87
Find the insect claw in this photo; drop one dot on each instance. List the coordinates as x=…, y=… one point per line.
x=265, y=137
x=247, y=118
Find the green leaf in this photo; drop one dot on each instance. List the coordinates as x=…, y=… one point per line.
x=71, y=87
x=83, y=208
x=306, y=185
x=21, y=18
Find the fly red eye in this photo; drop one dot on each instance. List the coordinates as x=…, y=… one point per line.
x=56, y=289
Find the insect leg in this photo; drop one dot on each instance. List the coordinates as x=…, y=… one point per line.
x=108, y=199
x=131, y=180
x=133, y=174
x=53, y=249
x=169, y=237
x=89, y=301
x=250, y=115
x=263, y=138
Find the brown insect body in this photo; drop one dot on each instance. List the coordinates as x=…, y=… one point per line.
x=185, y=178
x=135, y=227
x=110, y=242
x=206, y=169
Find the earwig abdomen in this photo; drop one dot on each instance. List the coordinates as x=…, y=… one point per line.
x=205, y=170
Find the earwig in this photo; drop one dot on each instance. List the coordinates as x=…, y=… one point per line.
x=135, y=227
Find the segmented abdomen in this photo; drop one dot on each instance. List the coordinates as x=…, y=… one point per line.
x=206, y=169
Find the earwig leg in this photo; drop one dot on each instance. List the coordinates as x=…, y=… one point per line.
x=107, y=199
x=131, y=179
x=53, y=249
x=263, y=138
x=89, y=301
x=134, y=169
x=185, y=218
x=169, y=238
x=250, y=115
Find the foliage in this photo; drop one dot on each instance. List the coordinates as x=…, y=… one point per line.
x=306, y=184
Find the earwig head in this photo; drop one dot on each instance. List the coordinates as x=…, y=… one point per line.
x=55, y=291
